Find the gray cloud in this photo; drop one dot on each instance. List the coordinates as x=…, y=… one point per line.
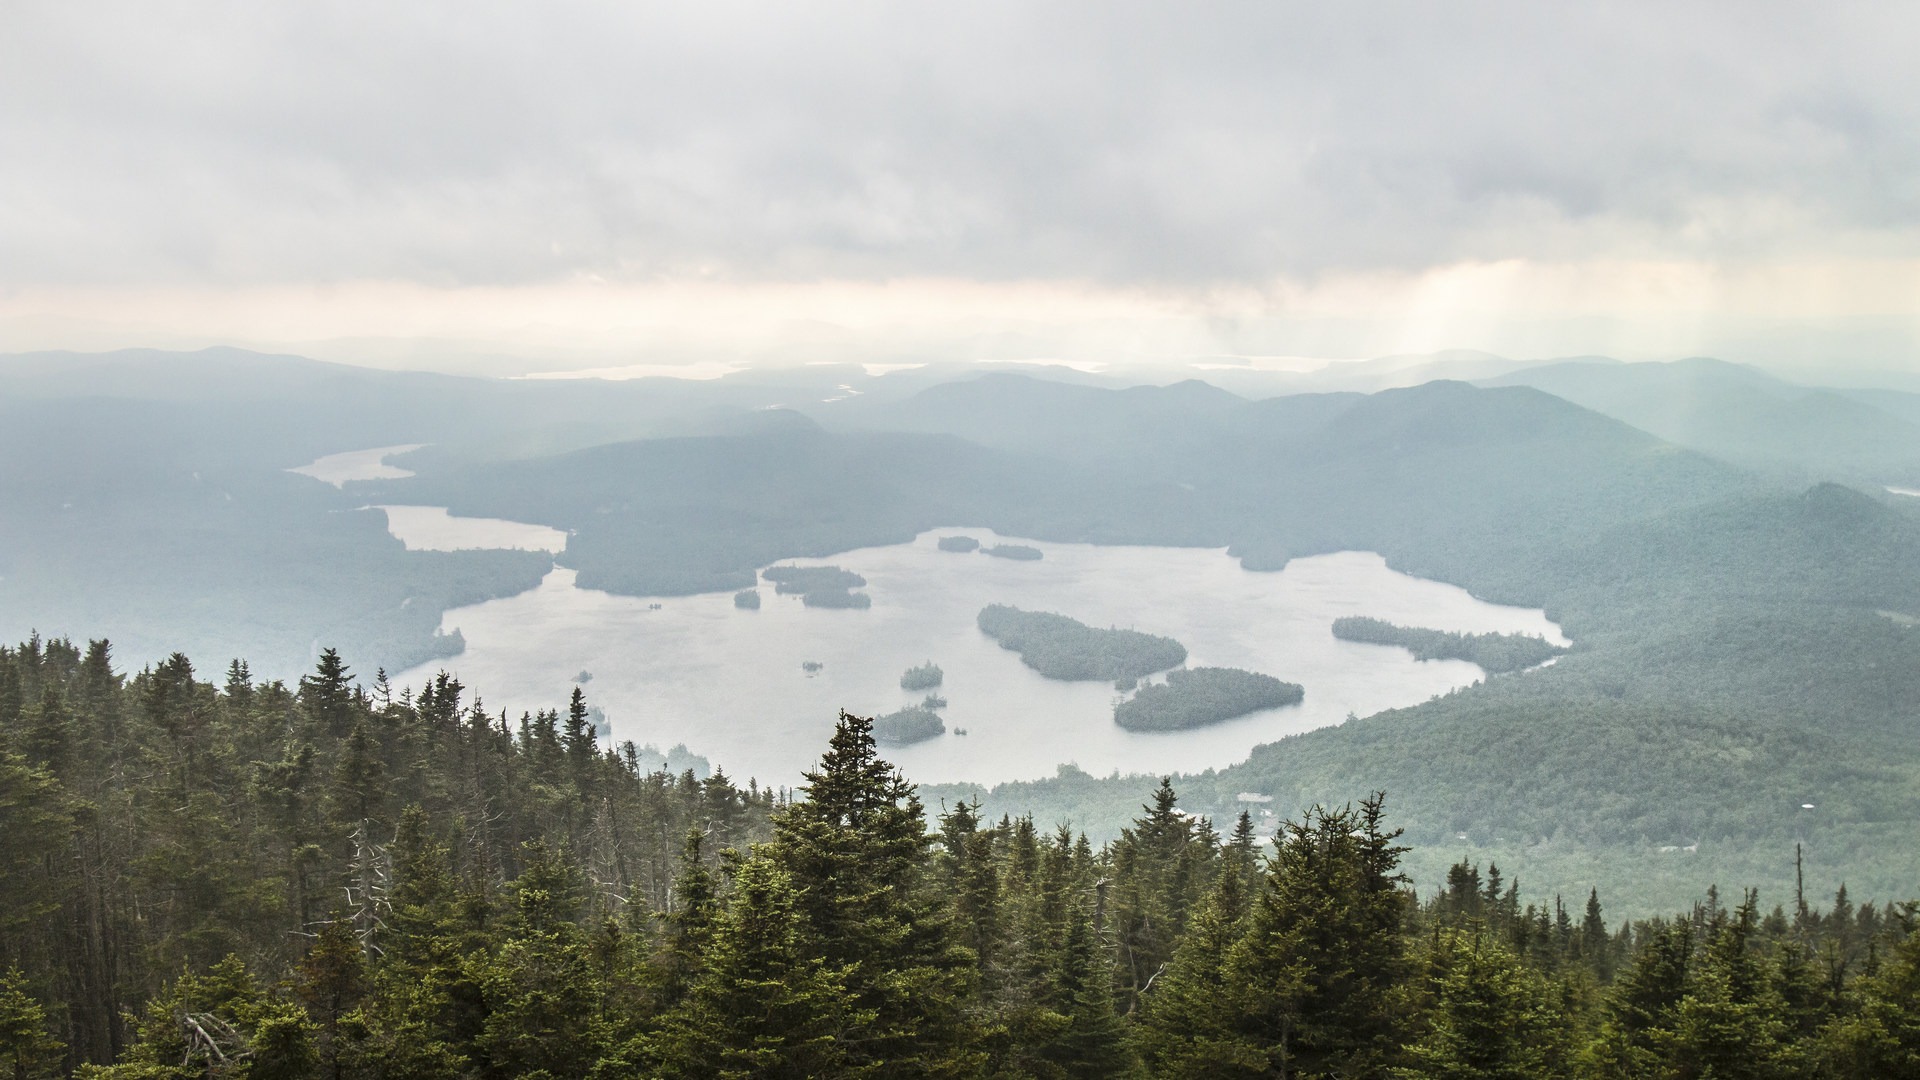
x=463, y=143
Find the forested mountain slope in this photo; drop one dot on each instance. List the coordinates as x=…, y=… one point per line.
x=1732, y=664
x=1445, y=479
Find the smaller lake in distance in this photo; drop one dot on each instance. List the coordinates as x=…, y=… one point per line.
x=431, y=528
x=338, y=469
x=729, y=683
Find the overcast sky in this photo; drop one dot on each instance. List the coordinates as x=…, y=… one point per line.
x=662, y=184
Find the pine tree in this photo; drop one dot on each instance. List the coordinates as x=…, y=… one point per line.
x=762, y=1007
x=579, y=740
x=1188, y=1027
x=328, y=694
x=855, y=849
x=1154, y=881
x=330, y=981
x=359, y=779
x=1491, y=1017
x=27, y=1050
x=688, y=924
x=541, y=993
x=1643, y=1007
x=1323, y=953
x=1092, y=1044
x=1881, y=1038
x=1729, y=1023
x=49, y=736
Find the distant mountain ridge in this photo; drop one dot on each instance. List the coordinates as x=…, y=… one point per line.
x=1742, y=415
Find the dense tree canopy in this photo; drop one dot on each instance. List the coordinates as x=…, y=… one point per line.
x=256, y=880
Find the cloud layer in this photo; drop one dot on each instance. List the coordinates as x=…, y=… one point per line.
x=1194, y=145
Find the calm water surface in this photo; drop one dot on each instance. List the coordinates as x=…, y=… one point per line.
x=338, y=469
x=431, y=528
x=728, y=682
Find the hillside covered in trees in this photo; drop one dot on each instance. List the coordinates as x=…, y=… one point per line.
x=329, y=880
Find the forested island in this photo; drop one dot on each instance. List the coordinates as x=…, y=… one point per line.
x=959, y=544
x=1494, y=653
x=747, y=599
x=1063, y=648
x=819, y=586
x=328, y=880
x=1019, y=552
x=909, y=725
x=922, y=677
x=1196, y=697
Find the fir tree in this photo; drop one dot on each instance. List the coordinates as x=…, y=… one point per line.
x=1323, y=952
x=762, y=1007
x=27, y=1050
x=855, y=848
x=1881, y=1038
x=1189, y=1027
x=1491, y=1018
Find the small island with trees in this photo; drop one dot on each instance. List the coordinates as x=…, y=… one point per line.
x=1494, y=653
x=819, y=586
x=1063, y=648
x=915, y=723
x=1018, y=552
x=747, y=599
x=1196, y=697
x=923, y=677
x=959, y=544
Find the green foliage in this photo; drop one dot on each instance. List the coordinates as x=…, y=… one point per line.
x=28, y=1051
x=1017, y=552
x=747, y=599
x=1196, y=697
x=915, y=723
x=1494, y=653
x=762, y=1006
x=1489, y=1016
x=1063, y=648
x=959, y=544
x=819, y=586
x=856, y=849
x=273, y=913
x=922, y=677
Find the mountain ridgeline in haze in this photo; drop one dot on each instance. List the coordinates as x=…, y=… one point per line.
x=257, y=879
x=1744, y=634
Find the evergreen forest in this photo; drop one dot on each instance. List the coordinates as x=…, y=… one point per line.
x=224, y=877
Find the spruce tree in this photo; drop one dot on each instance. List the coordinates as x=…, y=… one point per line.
x=1323, y=954
x=855, y=848
x=762, y=1006
x=541, y=992
x=578, y=740
x=28, y=1051
x=1643, y=1008
x=1188, y=1027
x=1881, y=1037
x=1491, y=1018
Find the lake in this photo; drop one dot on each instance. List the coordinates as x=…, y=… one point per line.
x=339, y=469
x=729, y=683
x=431, y=528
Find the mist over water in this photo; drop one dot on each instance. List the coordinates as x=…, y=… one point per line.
x=729, y=682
